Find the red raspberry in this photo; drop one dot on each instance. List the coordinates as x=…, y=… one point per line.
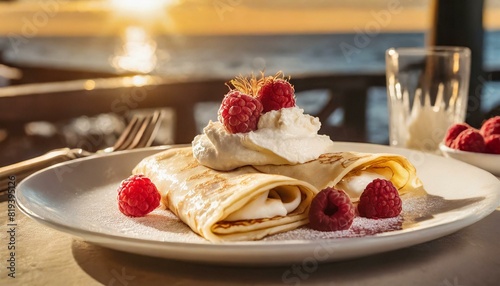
x=492, y=143
x=380, y=199
x=454, y=131
x=331, y=210
x=239, y=113
x=491, y=126
x=276, y=93
x=469, y=140
x=137, y=196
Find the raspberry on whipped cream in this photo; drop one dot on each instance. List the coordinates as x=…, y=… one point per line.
x=285, y=136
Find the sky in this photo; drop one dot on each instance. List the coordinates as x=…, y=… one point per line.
x=208, y=17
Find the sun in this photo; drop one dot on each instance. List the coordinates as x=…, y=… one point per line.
x=140, y=7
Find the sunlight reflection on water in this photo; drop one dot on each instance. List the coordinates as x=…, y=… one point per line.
x=138, y=52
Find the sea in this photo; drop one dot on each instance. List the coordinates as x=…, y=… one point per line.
x=226, y=56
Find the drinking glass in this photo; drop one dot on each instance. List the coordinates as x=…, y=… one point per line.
x=427, y=92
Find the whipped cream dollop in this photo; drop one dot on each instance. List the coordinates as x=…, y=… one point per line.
x=283, y=137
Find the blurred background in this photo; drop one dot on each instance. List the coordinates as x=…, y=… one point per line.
x=73, y=72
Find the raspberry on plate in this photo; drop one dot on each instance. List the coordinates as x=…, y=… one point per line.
x=469, y=140
x=137, y=196
x=276, y=93
x=380, y=199
x=491, y=126
x=331, y=210
x=454, y=131
x=239, y=112
x=492, y=144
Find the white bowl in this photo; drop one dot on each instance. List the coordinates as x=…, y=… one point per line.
x=485, y=161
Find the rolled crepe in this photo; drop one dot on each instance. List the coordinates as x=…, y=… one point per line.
x=242, y=204
x=352, y=171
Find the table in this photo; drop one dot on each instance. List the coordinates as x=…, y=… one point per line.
x=45, y=256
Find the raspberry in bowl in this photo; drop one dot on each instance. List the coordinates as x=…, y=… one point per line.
x=478, y=147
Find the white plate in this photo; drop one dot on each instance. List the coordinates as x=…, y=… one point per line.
x=485, y=161
x=79, y=198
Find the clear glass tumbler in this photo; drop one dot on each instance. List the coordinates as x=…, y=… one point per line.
x=427, y=91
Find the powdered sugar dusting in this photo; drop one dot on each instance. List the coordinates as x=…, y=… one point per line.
x=101, y=214
x=163, y=225
x=412, y=207
x=359, y=228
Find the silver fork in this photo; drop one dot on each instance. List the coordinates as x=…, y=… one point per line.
x=140, y=132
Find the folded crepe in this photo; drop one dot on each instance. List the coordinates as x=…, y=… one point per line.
x=251, y=202
x=352, y=171
x=242, y=204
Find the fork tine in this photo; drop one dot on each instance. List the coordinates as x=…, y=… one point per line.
x=140, y=132
x=125, y=134
x=153, y=129
x=149, y=134
x=129, y=134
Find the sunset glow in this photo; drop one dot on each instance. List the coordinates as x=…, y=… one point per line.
x=110, y=17
x=141, y=7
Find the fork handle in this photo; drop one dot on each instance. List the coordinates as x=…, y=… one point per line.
x=27, y=167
